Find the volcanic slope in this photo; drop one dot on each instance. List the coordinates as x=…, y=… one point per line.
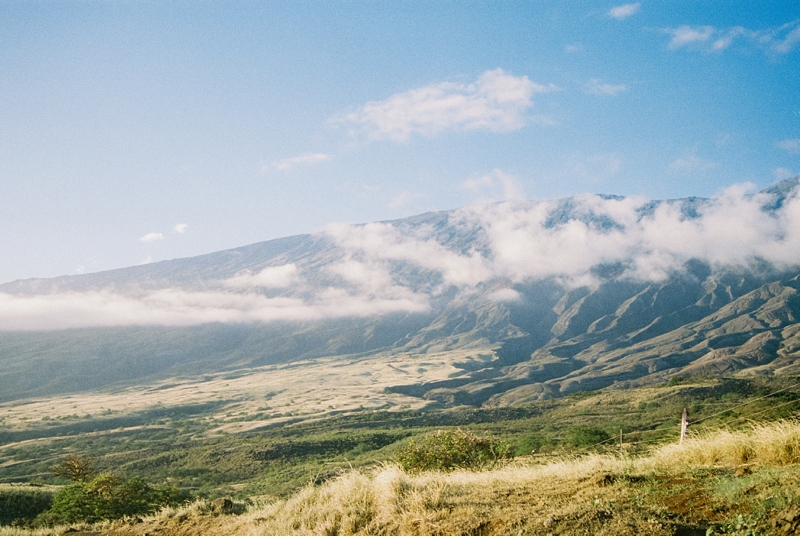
x=431, y=283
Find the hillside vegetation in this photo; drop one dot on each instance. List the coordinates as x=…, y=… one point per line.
x=234, y=449
x=720, y=482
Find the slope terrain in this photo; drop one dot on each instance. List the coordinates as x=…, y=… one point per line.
x=460, y=282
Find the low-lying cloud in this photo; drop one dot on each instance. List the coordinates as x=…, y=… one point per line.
x=176, y=307
x=380, y=268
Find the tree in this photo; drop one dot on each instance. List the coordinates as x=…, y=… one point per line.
x=76, y=468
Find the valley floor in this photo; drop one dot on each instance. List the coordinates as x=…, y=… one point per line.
x=726, y=483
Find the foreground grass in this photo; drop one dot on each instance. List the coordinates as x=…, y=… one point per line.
x=718, y=482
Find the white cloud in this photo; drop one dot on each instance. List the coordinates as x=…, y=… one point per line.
x=496, y=185
x=496, y=102
x=791, y=145
x=778, y=40
x=732, y=229
x=596, y=87
x=505, y=295
x=269, y=277
x=379, y=268
x=374, y=244
x=151, y=237
x=572, y=48
x=292, y=162
x=175, y=307
x=783, y=44
x=180, y=228
x=624, y=11
x=686, y=35
x=783, y=173
x=690, y=162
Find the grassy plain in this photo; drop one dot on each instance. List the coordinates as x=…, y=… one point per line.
x=266, y=435
x=703, y=486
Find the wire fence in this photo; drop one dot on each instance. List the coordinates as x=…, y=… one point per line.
x=654, y=428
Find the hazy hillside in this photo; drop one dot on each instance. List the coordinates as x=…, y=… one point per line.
x=580, y=293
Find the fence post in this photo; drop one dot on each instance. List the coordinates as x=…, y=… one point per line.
x=684, y=424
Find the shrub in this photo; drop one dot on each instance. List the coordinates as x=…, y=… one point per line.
x=582, y=436
x=107, y=497
x=22, y=503
x=447, y=450
x=531, y=443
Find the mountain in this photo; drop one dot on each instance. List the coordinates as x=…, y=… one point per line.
x=573, y=294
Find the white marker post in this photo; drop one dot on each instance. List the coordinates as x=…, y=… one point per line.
x=684, y=424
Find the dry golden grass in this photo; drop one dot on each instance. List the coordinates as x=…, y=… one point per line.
x=774, y=444
x=595, y=495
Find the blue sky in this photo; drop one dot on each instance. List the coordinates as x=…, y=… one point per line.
x=137, y=131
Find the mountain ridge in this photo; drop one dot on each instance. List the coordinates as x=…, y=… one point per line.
x=448, y=280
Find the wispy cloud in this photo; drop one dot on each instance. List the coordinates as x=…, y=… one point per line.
x=496, y=102
x=597, y=87
x=791, y=145
x=404, y=199
x=181, y=228
x=151, y=237
x=497, y=185
x=777, y=40
x=593, y=168
x=292, y=162
x=782, y=173
x=684, y=36
x=624, y=11
x=690, y=162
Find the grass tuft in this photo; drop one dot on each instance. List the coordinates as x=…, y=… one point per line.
x=773, y=444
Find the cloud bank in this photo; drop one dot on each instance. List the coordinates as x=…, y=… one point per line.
x=405, y=266
x=496, y=102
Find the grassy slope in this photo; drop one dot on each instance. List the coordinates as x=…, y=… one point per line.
x=723, y=482
x=201, y=450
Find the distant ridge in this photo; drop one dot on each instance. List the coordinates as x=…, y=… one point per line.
x=628, y=304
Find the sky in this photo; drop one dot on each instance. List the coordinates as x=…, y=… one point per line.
x=141, y=131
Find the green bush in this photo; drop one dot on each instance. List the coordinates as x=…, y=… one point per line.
x=22, y=504
x=107, y=497
x=446, y=450
x=582, y=436
x=531, y=443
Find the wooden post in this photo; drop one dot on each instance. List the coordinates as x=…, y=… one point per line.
x=684, y=424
